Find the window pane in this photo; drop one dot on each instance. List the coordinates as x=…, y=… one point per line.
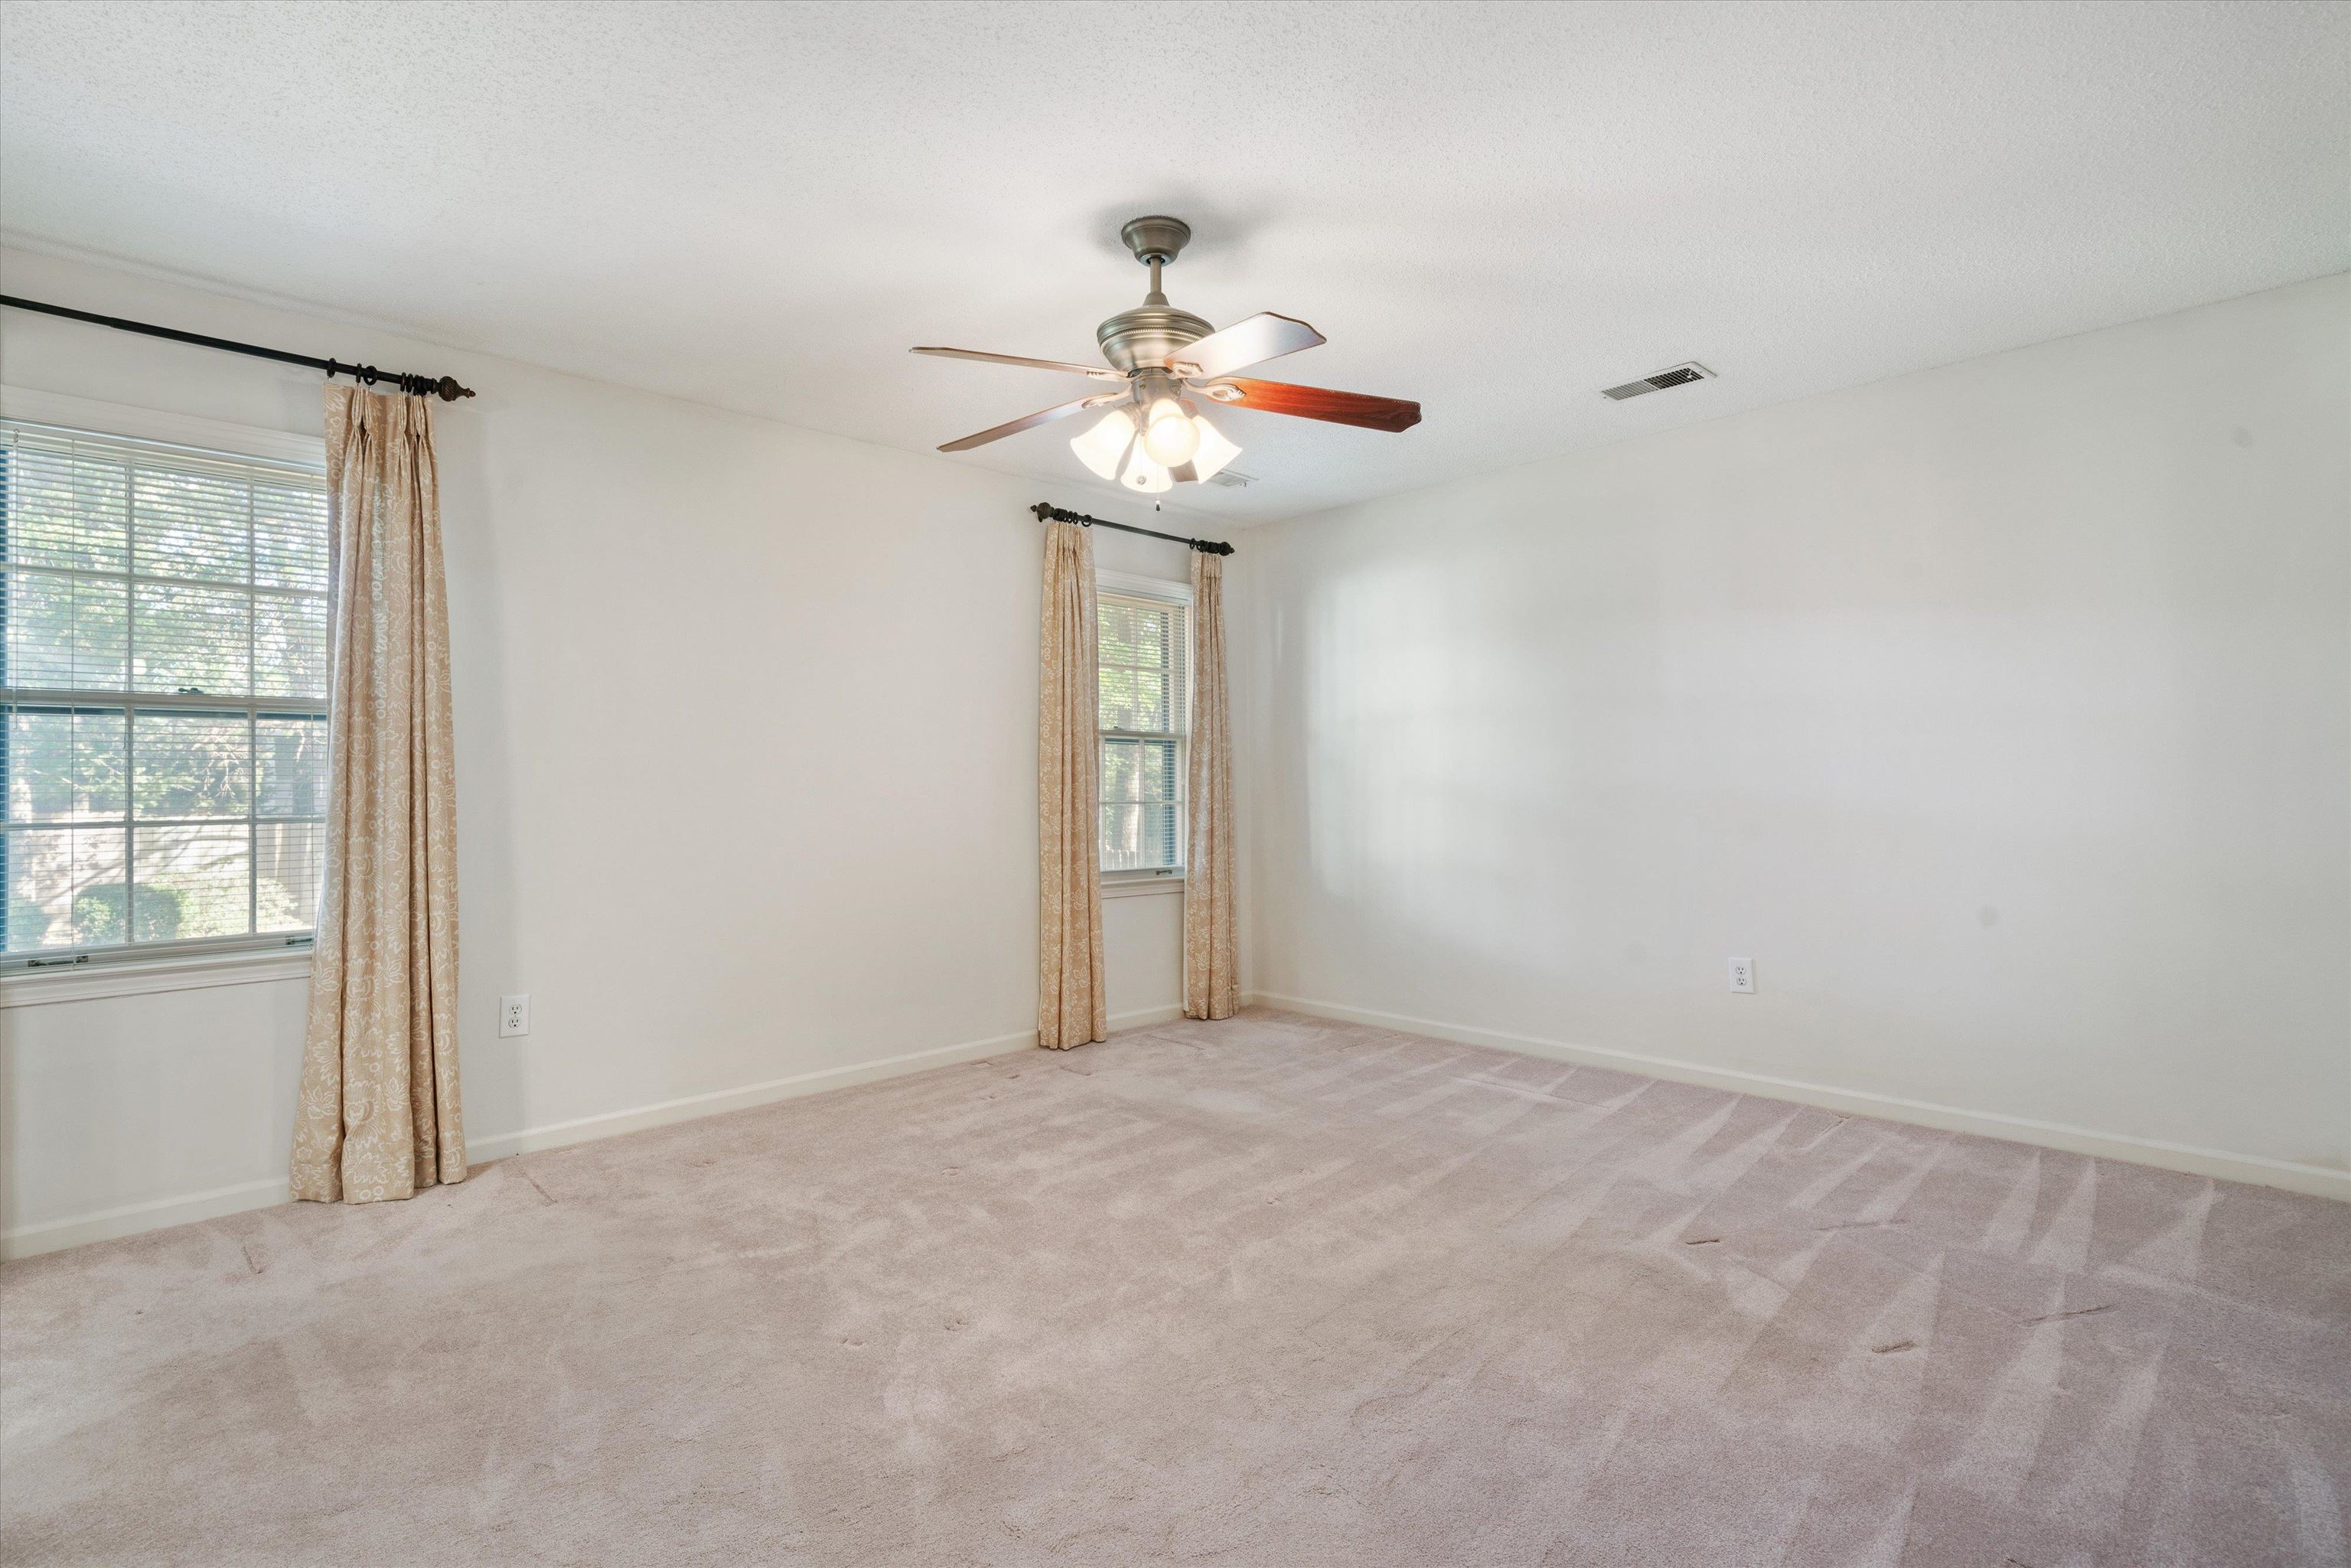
x=286, y=860
x=289, y=646
x=289, y=537
x=205, y=575
x=293, y=767
x=1134, y=770
x=191, y=765
x=1133, y=699
x=1142, y=653
x=1122, y=768
x=1159, y=781
x=1139, y=837
x=65, y=887
x=1132, y=633
x=190, y=525
x=60, y=765
x=1141, y=689
x=192, y=881
x=65, y=510
x=64, y=631
x=192, y=639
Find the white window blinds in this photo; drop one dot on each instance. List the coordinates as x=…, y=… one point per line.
x=163, y=677
x=1145, y=650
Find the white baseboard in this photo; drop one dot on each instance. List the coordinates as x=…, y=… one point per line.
x=105, y=1224
x=130, y=1219
x=613, y=1124
x=2317, y=1180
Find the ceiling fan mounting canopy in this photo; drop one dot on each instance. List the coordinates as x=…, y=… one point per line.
x=1155, y=238
x=1156, y=353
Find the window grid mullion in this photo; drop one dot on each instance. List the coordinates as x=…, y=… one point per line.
x=252, y=727
x=7, y=719
x=292, y=820
x=130, y=719
x=163, y=702
x=252, y=822
x=99, y=574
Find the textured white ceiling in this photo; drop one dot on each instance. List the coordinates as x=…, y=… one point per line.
x=1495, y=209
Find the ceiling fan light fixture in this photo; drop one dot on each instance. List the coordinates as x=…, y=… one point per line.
x=1145, y=475
x=1101, y=447
x=1213, y=452
x=1168, y=435
x=1161, y=358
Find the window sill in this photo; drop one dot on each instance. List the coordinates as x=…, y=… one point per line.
x=1142, y=886
x=139, y=977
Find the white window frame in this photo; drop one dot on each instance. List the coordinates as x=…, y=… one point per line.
x=1132, y=585
x=195, y=964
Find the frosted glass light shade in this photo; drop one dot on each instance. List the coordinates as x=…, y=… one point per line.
x=1214, y=451
x=1101, y=448
x=1142, y=474
x=1168, y=435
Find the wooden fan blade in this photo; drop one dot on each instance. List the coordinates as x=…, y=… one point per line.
x=1014, y=427
x=1389, y=414
x=1264, y=336
x=1097, y=372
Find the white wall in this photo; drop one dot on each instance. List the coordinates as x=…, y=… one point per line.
x=2001, y=713
x=657, y=608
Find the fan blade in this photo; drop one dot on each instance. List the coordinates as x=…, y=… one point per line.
x=1014, y=427
x=1264, y=336
x=1389, y=414
x=1095, y=370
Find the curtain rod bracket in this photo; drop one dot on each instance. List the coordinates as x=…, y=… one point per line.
x=1048, y=512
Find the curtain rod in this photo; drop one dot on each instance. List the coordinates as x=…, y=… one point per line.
x=1047, y=511
x=444, y=387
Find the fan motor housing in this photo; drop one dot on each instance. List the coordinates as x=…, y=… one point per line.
x=1145, y=336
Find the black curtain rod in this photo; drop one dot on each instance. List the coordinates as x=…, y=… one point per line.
x=444, y=387
x=1047, y=512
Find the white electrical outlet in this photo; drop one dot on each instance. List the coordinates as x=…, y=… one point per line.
x=1742, y=975
x=514, y=1015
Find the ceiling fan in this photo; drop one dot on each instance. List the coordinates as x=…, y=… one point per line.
x=1153, y=437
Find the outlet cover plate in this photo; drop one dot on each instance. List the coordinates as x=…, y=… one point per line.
x=514, y=1015
x=1742, y=975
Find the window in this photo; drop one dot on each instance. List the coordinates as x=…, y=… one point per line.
x=162, y=696
x=1144, y=631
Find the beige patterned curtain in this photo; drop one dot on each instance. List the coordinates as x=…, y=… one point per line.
x=1212, y=976
x=1070, y=1004
x=378, y=1116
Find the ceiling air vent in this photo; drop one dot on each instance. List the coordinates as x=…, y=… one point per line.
x=1679, y=375
x=1232, y=477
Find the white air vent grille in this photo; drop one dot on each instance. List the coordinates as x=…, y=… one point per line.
x=1232, y=477
x=1679, y=375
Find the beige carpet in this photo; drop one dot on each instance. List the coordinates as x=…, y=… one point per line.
x=1272, y=1292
